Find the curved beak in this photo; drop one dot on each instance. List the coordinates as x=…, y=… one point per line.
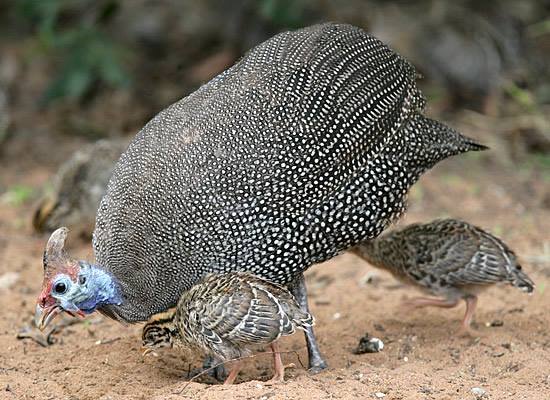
x=43, y=316
x=147, y=350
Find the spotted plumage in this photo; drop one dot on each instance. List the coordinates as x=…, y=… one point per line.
x=448, y=258
x=304, y=148
x=227, y=316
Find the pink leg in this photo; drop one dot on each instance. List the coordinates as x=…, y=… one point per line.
x=471, y=302
x=279, y=375
x=431, y=301
x=234, y=372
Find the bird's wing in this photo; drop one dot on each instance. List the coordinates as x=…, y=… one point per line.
x=457, y=253
x=489, y=264
x=236, y=313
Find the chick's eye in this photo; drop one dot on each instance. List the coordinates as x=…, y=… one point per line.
x=60, y=288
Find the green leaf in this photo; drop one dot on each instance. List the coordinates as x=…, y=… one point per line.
x=84, y=53
x=285, y=13
x=17, y=195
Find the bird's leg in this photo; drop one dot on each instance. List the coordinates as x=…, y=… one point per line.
x=234, y=372
x=279, y=375
x=471, y=302
x=316, y=361
x=219, y=372
x=431, y=301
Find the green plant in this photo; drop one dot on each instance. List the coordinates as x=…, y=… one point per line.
x=521, y=96
x=283, y=13
x=73, y=33
x=17, y=195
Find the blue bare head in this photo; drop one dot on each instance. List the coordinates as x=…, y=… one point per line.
x=76, y=287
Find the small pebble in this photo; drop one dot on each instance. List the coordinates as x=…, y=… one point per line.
x=8, y=279
x=507, y=346
x=426, y=390
x=370, y=277
x=379, y=395
x=337, y=316
x=406, y=359
x=368, y=344
x=479, y=393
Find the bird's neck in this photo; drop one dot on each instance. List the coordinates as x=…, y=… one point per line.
x=375, y=252
x=99, y=289
x=368, y=250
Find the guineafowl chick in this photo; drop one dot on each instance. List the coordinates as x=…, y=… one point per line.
x=77, y=188
x=225, y=316
x=448, y=258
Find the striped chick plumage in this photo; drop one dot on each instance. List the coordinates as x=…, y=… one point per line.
x=227, y=315
x=448, y=258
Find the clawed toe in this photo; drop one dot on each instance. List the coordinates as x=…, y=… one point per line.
x=465, y=332
x=275, y=381
x=315, y=369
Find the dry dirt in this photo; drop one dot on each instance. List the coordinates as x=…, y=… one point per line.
x=422, y=357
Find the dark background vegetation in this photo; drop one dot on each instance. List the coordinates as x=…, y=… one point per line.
x=76, y=71
x=100, y=68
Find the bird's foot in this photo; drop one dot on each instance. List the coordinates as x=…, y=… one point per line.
x=316, y=361
x=317, y=365
x=215, y=369
x=275, y=380
x=469, y=333
x=279, y=376
x=407, y=306
x=234, y=372
x=219, y=373
x=465, y=332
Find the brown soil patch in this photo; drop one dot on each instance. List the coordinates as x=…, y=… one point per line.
x=422, y=358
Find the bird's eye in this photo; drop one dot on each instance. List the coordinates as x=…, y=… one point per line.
x=518, y=267
x=60, y=288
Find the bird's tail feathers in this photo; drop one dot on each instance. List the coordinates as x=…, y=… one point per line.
x=299, y=319
x=428, y=141
x=304, y=321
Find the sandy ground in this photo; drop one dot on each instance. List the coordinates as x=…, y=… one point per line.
x=422, y=357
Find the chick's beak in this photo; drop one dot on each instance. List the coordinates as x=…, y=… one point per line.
x=147, y=350
x=44, y=315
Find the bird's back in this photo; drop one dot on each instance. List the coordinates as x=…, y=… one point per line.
x=447, y=253
x=305, y=147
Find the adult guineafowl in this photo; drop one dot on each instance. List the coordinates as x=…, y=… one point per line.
x=304, y=148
